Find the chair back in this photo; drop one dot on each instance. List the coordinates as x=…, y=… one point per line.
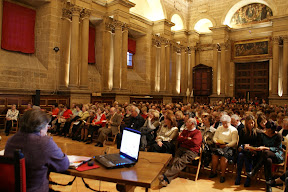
x=13, y=173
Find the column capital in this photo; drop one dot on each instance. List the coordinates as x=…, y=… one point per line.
x=85, y=13
x=285, y=38
x=75, y=10
x=276, y=39
x=66, y=14
x=117, y=24
x=125, y=27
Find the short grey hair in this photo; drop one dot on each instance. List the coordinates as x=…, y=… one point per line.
x=226, y=118
x=193, y=120
x=136, y=109
x=236, y=117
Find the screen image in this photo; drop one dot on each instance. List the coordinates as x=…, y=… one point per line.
x=130, y=143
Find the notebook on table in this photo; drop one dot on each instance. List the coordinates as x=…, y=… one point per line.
x=129, y=151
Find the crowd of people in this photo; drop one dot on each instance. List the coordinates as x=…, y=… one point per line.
x=229, y=132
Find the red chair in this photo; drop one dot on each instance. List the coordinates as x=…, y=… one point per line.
x=13, y=173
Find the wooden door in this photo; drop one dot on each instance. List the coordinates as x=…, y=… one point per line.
x=252, y=80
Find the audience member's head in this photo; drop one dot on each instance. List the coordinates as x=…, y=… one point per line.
x=191, y=123
x=235, y=119
x=34, y=121
x=170, y=120
x=134, y=111
x=226, y=121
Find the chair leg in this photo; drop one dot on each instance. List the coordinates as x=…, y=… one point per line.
x=198, y=170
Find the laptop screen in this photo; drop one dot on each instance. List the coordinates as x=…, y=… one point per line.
x=130, y=143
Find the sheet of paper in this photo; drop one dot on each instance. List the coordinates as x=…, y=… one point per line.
x=220, y=141
x=75, y=160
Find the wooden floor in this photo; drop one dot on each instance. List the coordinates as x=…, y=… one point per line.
x=204, y=184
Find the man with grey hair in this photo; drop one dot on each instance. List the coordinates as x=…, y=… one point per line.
x=190, y=141
x=136, y=122
x=235, y=121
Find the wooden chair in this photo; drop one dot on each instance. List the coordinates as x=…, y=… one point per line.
x=284, y=164
x=111, y=139
x=198, y=166
x=15, y=126
x=13, y=173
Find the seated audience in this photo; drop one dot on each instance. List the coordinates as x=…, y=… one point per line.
x=41, y=153
x=284, y=131
x=62, y=119
x=225, y=138
x=168, y=132
x=98, y=122
x=147, y=131
x=271, y=152
x=113, y=123
x=207, y=132
x=136, y=122
x=54, y=112
x=76, y=126
x=179, y=119
x=85, y=126
x=235, y=121
x=29, y=107
x=126, y=118
x=261, y=122
x=189, y=145
x=11, y=117
x=249, y=138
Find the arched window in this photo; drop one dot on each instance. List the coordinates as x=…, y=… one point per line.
x=176, y=19
x=203, y=25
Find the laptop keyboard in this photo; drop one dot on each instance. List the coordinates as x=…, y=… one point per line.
x=118, y=160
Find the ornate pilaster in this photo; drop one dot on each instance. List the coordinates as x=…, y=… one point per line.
x=74, y=59
x=125, y=28
x=83, y=66
x=275, y=67
x=65, y=42
x=285, y=65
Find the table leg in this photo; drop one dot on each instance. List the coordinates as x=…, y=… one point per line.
x=125, y=188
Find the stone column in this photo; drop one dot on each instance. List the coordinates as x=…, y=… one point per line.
x=124, y=57
x=153, y=65
x=275, y=67
x=162, y=66
x=106, y=43
x=74, y=57
x=215, y=69
x=167, y=64
x=223, y=68
x=285, y=65
x=117, y=55
x=192, y=64
x=84, y=50
x=183, y=72
x=65, y=48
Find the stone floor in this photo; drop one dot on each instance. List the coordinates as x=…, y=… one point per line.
x=204, y=184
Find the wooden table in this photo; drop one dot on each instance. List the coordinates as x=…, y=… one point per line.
x=146, y=170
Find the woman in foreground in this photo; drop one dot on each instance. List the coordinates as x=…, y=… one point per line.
x=41, y=153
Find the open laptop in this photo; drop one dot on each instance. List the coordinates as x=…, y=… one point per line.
x=129, y=151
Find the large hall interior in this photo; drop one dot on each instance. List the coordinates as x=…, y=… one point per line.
x=205, y=58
